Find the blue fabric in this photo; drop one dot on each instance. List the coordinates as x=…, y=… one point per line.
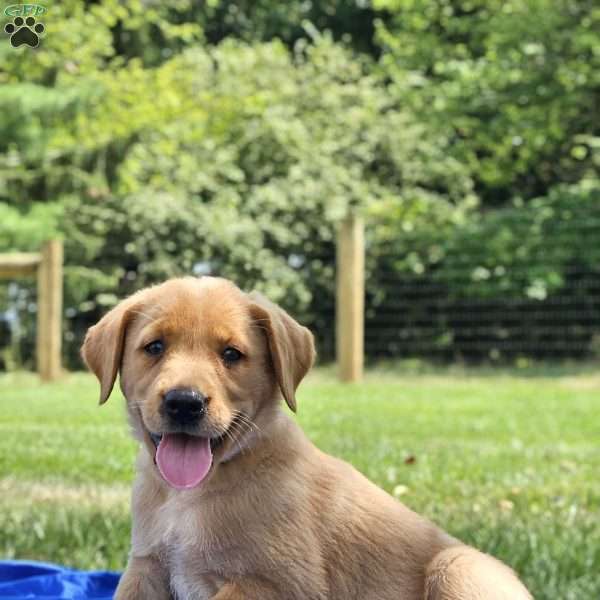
x=23, y=580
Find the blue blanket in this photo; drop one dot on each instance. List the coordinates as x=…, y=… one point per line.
x=21, y=580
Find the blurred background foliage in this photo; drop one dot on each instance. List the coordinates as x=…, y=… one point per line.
x=229, y=137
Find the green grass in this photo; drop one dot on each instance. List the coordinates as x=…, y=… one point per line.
x=508, y=462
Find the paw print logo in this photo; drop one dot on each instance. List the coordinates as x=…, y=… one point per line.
x=24, y=31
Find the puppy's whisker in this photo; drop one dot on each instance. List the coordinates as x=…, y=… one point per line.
x=238, y=430
x=236, y=441
x=240, y=427
x=227, y=432
x=244, y=419
x=240, y=418
x=249, y=426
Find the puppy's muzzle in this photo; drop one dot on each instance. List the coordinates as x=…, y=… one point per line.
x=184, y=406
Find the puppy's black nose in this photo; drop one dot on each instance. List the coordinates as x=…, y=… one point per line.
x=184, y=406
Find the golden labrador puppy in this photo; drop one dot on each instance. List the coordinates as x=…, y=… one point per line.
x=231, y=500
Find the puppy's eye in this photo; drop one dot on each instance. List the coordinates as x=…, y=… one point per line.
x=231, y=355
x=155, y=348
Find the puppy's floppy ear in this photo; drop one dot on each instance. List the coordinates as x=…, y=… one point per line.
x=102, y=348
x=291, y=346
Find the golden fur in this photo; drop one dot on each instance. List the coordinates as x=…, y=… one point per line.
x=275, y=518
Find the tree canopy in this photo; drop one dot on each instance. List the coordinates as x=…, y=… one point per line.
x=229, y=137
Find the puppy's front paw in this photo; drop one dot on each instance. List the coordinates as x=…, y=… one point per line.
x=144, y=579
x=138, y=588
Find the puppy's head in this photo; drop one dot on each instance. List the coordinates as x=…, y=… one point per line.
x=198, y=360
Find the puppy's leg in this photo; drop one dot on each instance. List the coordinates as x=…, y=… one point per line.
x=463, y=573
x=144, y=579
x=246, y=590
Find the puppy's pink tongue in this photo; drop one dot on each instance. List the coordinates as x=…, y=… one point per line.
x=183, y=460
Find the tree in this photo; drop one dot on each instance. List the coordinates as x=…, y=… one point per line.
x=515, y=81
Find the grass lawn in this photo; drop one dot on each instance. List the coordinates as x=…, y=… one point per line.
x=507, y=462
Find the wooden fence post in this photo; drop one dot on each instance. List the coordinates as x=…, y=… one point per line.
x=350, y=298
x=49, y=317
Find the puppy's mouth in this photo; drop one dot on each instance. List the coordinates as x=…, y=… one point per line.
x=214, y=442
x=184, y=460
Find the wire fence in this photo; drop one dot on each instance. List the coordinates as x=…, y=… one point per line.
x=534, y=301
x=470, y=308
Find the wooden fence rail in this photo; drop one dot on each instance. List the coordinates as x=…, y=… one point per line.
x=48, y=264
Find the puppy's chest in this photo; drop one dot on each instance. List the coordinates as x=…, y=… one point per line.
x=199, y=554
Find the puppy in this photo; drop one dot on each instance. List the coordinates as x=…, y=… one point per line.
x=231, y=500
